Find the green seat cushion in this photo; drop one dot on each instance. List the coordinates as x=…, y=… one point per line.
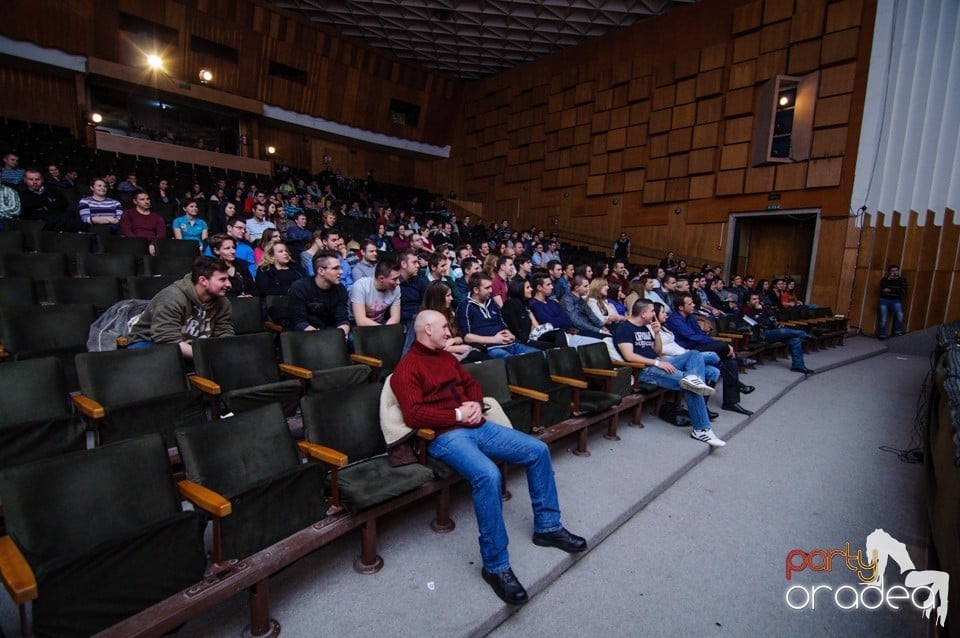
x=339, y=377
x=373, y=481
x=593, y=402
x=286, y=393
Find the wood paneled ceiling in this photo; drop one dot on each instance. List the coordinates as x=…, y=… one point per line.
x=472, y=39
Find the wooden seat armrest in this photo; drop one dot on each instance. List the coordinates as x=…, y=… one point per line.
x=88, y=407
x=426, y=434
x=273, y=327
x=205, y=499
x=323, y=453
x=600, y=372
x=636, y=365
x=732, y=335
x=295, y=371
x=373, y=362
x=3, y=352
x=536, y=395
x=724, y=339
x=204, y=384
x=573, y=383
x=16, y=573
x=122, y=342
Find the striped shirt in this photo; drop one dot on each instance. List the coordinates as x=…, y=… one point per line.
x=91, y=207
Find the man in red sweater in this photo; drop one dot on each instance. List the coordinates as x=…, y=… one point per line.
x=140, y=221
x=434, y=391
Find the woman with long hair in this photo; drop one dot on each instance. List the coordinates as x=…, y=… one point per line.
x=597, y=301
x=223, y=217
x=380, y=239
x=275, y=274
x=768, y=297
x=241, y=283
x=400, y=240
x=269, y=236
x=438, y=296
x=520, y=320
x=681, y=268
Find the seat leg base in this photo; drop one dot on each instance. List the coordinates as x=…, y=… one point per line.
x=363, y=568
x=578, y=452
x=272, y=632
x=442, y=528
x=611, y=437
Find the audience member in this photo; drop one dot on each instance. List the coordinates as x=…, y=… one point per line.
x=438, y=296
x=575, y=305
x=481, y=323
x=639, y=341
x=428, y=399
x=189, y=227
x=770, y=331
x=242, y=283
x=320, y=302
x=688, y=334
x=140, y=221
x=375, y=300
x=97, y=209
x=412, y=285
x=47, y=203
x=598, y=303
x=893, y=287
x=191, y=308
x=9, y=203
x=11, y=174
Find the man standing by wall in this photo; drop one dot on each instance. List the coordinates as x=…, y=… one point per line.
x=892, y=289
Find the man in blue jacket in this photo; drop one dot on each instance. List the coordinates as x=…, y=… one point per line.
x=481, y=323
x=688, y=334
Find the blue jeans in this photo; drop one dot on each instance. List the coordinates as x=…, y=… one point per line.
x=472, y=452
x=791, y=337
x=686, y=364
x=884, y=308
x=711, y=373
x=502, y=352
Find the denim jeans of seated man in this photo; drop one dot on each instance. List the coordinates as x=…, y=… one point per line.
x=711, y=371
x=791, y=337
x=473, y=453
x=688, y=363
x=884, y=308
x=502, y=352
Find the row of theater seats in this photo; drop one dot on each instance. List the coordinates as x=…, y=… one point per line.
x=244, y=472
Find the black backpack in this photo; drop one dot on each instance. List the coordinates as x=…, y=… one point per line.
x=672, y=413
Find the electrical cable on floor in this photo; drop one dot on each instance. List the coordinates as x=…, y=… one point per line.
x=914, y=454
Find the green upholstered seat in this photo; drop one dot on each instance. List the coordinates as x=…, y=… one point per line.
x=31, y=229
x=596, y=355
x=247, y=315
x=148, y=287
x=142, y=391
x=67, y=243
x=116, y=245
x=349, y=422
x=36, y=266
x=245, y=368
x=492, y=377
x=174, y=265
x=106, y=265
x=11, y=241
x=16, y=291
x=104, y=533
x=102, y=292
x=176, y=248
x=381, y=342
x=39, y=331
x=251, y=459
x=565, y=362
x=325, y=354
x=531, y=371
x=36, y=417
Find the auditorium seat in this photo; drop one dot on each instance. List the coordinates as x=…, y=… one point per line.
x=96, y=536
x=241, y=373
x=262, y=492
x=322, y=360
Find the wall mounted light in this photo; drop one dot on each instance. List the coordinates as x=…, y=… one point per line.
x=206, y=76
x=154, y=61
x=271, y=150
x=96, y=118
x=784, y=100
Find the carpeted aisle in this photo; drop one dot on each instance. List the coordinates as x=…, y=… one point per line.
x=707, y=557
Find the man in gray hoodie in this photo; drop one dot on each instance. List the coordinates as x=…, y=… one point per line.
x=195, y=307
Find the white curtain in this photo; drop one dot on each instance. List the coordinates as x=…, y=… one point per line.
x=909, y=155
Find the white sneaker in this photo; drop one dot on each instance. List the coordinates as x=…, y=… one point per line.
x=708, y=437
x=695, y=384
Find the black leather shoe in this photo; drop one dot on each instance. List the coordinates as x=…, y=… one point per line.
x=746, y=389
x=506, y=586
x=561, y=539
x=713, y=415
x=803, y=370
x=736, y=407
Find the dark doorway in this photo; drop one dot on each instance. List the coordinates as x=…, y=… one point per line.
x=768, y=246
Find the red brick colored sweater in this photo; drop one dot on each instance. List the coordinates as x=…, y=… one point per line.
x=430, y=385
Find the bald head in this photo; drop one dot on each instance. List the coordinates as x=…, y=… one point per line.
x=430, y=328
